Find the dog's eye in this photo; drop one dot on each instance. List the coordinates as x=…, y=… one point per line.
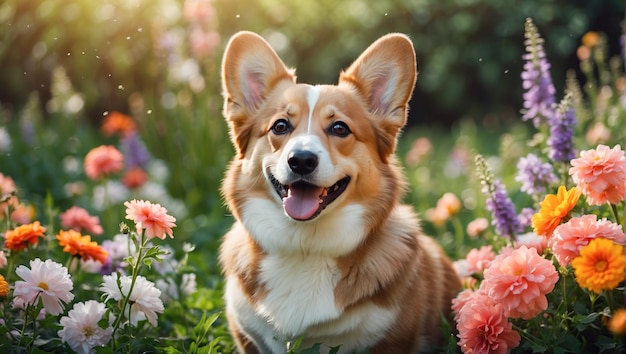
x=339, y=129
x=281, y=126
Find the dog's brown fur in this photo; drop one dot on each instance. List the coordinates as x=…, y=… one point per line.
x=359, y=273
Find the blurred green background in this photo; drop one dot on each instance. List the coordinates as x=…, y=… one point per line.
x=468, y=50
x=65, y=64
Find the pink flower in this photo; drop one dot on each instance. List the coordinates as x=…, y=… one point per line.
x=600, y=174
x=152, y=218
x=569, y=238
x=519, y=281
x=450, y=203
x=77, y=218
x=477, y=227
x=103, y=161
x=532, y=240
x=23, y=214
x=479, y=259
x=7, y=187
x=460, y=300
x=484, y=328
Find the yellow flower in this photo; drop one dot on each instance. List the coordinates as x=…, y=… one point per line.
x=4, y=286
x=600, y=265
x=554, y=208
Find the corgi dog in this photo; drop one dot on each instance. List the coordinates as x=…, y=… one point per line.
x=322, y=251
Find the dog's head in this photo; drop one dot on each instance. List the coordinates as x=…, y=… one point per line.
x=311, y=150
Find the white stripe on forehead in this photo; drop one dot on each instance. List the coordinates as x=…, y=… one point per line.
x=312, y=95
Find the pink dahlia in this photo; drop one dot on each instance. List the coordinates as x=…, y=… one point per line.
x=569, y=238
x=519, y=281
x=152, y=218
x=484, y=328
x=77, y=218
x=103, y=161
x=600, y=174
x=479, y=259
x=460, y=300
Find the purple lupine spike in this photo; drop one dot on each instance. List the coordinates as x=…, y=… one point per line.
x=539, y=95
x=534, y=175
x=562, y=132
x=504, y=218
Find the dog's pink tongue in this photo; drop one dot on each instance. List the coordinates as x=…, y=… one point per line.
x=302, y=203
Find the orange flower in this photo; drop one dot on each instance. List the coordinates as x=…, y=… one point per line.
x=116, y=122
x=134, y=178
x=450, y=203
x=102, y=161
x=617, y=324
x=554, y=208
x=600, y=265
x=591, y=39
x=4, y=286
x=78, y=245
x=18, y=238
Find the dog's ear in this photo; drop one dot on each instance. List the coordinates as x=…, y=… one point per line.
x=251, y=69
x=385, y=75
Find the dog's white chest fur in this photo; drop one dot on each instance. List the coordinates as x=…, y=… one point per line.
x=300, y=292
x=300, y=302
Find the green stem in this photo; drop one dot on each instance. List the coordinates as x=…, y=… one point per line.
x=10, y=267
x=126, y=298
x=23, y=332
x=459, y=236
x=615, y=213
x=69, y=263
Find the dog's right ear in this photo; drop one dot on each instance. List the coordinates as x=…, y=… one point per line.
x=250, y=70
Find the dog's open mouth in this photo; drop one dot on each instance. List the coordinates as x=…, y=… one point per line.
x=304, y=201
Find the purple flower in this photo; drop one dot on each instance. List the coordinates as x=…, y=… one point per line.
x=561, y=132
x=504, y=218
x=525, y=216
x=534, y=175
x=135, y=152
x=539, y=95
x=503, y=211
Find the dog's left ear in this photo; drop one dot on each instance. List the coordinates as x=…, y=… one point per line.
x=385, y=75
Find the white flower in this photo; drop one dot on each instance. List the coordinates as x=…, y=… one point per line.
x=48, y=280
x=5, y=140
x=144, y=300
x=111, y=193
x=170, y=290
x=80, y=327
x=189, y=284
x=90, y=266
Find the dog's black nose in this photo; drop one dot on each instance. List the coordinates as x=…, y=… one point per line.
x=302, y=162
